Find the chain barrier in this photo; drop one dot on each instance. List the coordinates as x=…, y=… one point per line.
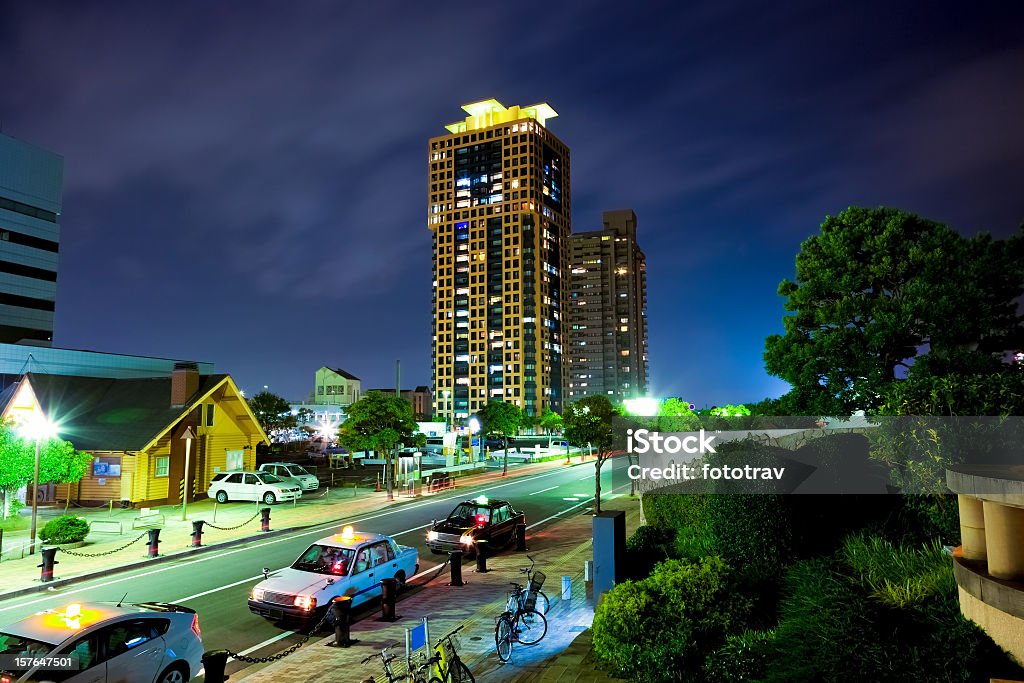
x=437, y=573
x=288, y=650
x=106, y=552
x=232, y=528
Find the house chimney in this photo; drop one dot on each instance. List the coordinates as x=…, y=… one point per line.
x=184, y=382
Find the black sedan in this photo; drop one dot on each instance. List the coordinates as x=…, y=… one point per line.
x=480, y=519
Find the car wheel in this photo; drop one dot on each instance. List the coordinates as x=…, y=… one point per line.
x=175, y=673
x=222, y=496
x=269, y=498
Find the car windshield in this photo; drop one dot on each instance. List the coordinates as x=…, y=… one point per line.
x=470, y=512
x=270, y=478
x=297, y=470
x=11, y=644
x=325, y=559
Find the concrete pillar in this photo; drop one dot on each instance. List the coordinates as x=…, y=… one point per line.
x=1004, y=540
x=972, y=527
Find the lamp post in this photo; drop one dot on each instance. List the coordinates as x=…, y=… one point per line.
x=474, y=428
x=447, y=408
x=38, y=428
x=187, y=436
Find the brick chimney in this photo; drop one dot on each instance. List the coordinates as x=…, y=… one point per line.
x=184, y=382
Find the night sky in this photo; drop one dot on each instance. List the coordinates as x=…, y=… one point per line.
x=245, y=183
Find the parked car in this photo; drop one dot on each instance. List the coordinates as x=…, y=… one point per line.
x=252, y=486
x=88, y=642
x=492, y=520
x=350, y=563
x=305, y=479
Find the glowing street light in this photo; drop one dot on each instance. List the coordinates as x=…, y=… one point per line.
x=40, y=429
x=474, y=428
x=642, y=406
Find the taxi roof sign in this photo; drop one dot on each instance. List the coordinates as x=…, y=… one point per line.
x=481, y=500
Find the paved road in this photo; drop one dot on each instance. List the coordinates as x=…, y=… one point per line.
x=217, y=585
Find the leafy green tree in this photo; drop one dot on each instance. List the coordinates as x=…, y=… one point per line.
x=588, y=421
x=380, y=422
x=878, y=285
x=272, y=412
x=61, y=463
x=550, y=422
x=500, y=420
x=16, y=464
x=674, y=415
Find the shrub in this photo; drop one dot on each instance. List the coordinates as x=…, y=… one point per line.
x=744, y=657
x=65, y=529
x=646, y=547
x=898, y=576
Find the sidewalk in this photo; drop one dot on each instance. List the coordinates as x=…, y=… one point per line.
x=127, y=549
x=563, y=654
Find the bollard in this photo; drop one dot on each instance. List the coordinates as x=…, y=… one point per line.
x=48, y=554
x=341, y=606
x=455, y=558
x=481, y=556
x=521, y=536
x=154, y=542
x=388, y=589
x=265, y=519
x=197, y=533
x=214, y=663
x=566, y=588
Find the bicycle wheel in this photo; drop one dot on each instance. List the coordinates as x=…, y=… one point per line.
x=460, y=673
x=531, y=627
x=503, y=637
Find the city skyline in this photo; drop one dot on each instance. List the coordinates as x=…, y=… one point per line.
x=237, y=192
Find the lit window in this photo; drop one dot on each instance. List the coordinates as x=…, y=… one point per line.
x=163, y=463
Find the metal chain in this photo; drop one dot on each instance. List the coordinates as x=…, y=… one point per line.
x=287, y=651
x=232, y=528
x=108, y=552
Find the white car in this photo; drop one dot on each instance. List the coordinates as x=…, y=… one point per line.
x=262, y=486
x=289, y=470
x=95, y=642
x=350, y=563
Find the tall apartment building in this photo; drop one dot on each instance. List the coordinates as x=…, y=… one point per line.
x=499, y=212
x=31, y=182
x=607, y=311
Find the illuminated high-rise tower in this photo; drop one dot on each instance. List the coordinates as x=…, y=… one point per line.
x=499, y=211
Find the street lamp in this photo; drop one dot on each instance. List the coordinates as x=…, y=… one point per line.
x=39, y=429
x=474, y=428
x=447, y=408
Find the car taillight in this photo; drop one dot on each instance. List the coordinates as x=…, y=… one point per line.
x=5, y=679
x=195, y=625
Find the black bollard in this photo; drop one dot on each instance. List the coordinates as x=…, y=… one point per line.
x=214, y=663
x=388, y=589
x=197, y=533
x=154, y=542
x=521, y=537
x=47, y=566
x=481, y=556
x=342, y=608
x=455, y=559
x=265, y=519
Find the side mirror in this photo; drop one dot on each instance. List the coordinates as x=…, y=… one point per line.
x=266, y=572
x=330, y=582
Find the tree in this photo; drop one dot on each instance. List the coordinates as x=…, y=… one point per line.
x=880, y=293
x=272, y=412
x=589, y=421
x=551, y=422
x=16, y=462
x=502, y=420
x=61, y=463
x=379, y=422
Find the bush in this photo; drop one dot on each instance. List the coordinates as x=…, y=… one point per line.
x=646, y=547
x=663, y=626
x=898, y=576
x=65, y=529
x=744, y=657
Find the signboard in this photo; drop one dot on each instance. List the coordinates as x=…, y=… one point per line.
x=114, y=469
x=100, y=468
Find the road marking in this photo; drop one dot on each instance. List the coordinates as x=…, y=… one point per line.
x=268, y=641
x=589, y=476
x=559, y=514
x=219, y=588
x=550, y=488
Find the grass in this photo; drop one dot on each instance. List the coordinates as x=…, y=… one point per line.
x=15, y=523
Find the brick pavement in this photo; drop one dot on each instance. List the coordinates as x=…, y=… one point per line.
x=563, y=655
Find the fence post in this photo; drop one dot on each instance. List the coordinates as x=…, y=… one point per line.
x=265, y=519
x=481, y=556
x=388, y=588
x=455, y=558
x=47, y=566
x=521, y=537
x=154, y=543
x=341, y=606
x=197, y=533
x=214, y=663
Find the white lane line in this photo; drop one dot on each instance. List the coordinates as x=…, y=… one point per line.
x=550, y=488
x=316, y=530
x=219, y=588
x=268, y=641
x=589, y=476
x=557, y=514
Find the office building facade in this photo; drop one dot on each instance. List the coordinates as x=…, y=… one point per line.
x=31, y=183
x=499, y=210
x=607, y=311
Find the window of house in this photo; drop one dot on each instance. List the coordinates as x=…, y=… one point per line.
x=163, y=464
x=209, y=415
x=235, y=460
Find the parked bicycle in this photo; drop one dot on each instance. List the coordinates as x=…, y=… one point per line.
x=542, y=605
x=522, y=623
x=446, y=666
x=389, y=673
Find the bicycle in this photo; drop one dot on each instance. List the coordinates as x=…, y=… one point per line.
x=449, y=666
x=543, y=605
x=391, y=676
x=523, y=624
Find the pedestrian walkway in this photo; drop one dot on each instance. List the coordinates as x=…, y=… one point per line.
x=563, y=655
x=119, y=537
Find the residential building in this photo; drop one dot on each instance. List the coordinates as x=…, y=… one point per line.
x=31, y=183
x=420, y=398
x=607, y=311
x=334, y=386
x=499, y=210
x=134, y=429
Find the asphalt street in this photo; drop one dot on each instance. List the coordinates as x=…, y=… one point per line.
x=217, y=584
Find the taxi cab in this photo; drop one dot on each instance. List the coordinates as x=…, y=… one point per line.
x=94, y=642
x=473, y=520
x=349, y=563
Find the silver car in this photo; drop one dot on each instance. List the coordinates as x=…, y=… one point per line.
x=95, y=642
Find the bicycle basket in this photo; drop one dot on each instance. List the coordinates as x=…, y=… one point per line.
x=531, y=596
x=450, y=646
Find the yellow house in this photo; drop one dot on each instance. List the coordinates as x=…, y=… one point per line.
x=134, y=429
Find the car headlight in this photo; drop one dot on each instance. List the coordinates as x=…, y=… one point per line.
x=305, y=602
x=257, y=594
x=431, y=535
x=466, y=540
